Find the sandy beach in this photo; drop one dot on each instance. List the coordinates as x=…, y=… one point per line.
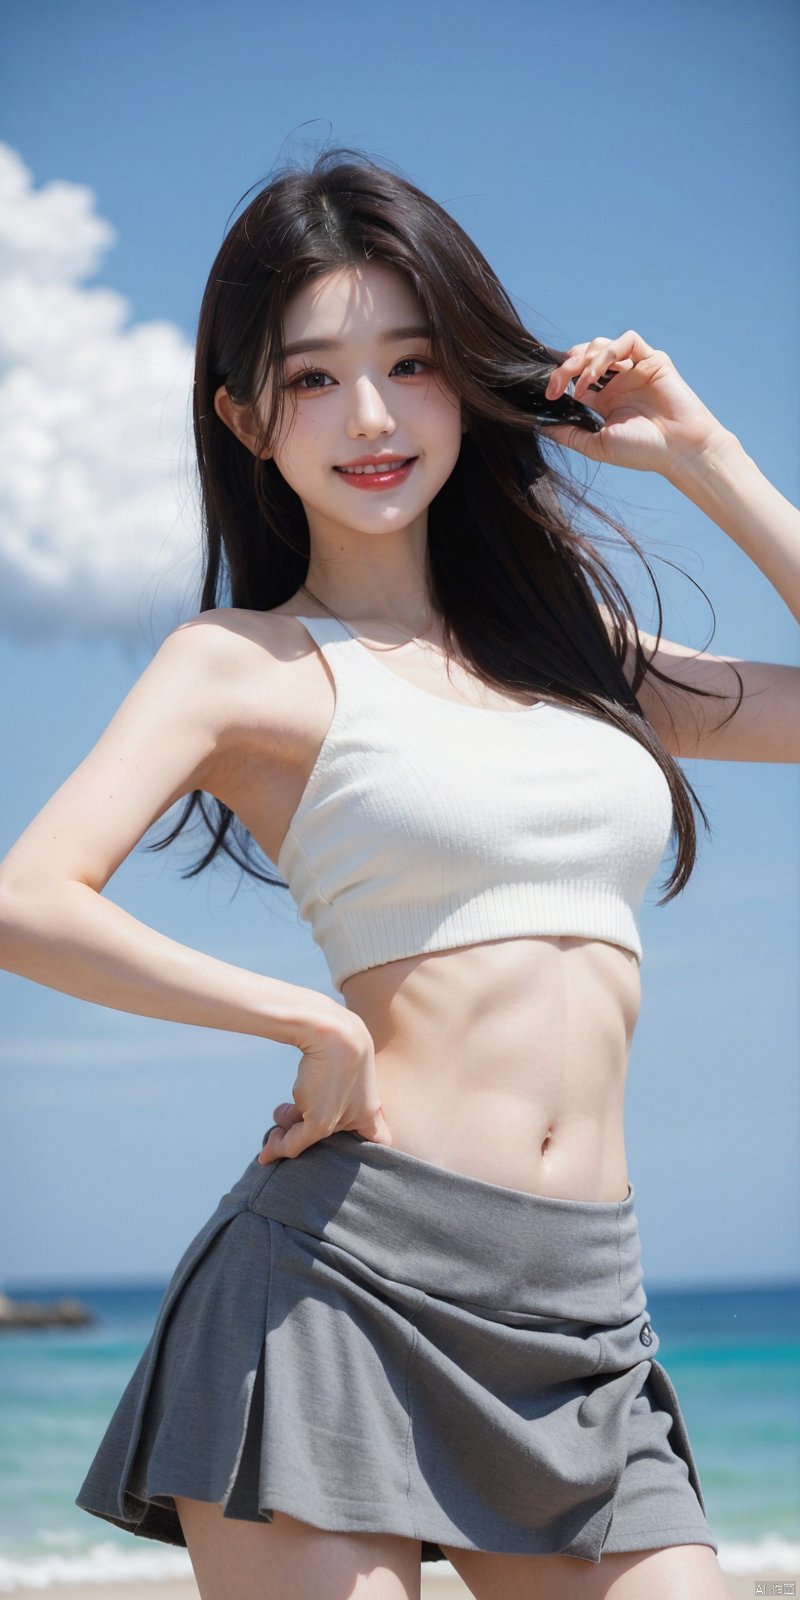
x=435, y=1586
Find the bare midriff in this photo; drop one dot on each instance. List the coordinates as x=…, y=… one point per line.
x=504, y=1061
x=507, y=1061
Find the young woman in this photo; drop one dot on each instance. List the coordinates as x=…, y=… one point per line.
x=415, y=1327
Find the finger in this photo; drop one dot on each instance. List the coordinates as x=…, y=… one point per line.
x=629, y=347
x=563, y=375
x=291, y=1142
x=286, y=1114
x=560, y=432
x=578, y=358
x=578, y=439
x=272, y=1144
x=593, y=381
x=376, y=1129
x=271, y=1149
x=604, y=378
x=265, y=1153
x=597, y=369
x=586, y=362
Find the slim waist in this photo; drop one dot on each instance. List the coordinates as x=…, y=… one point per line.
x=459, y=1237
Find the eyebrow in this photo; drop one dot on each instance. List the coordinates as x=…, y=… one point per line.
x=393, y=335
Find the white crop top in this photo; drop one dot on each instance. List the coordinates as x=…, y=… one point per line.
x=427, y=824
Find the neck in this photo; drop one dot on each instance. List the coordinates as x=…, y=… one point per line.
x=410, y=614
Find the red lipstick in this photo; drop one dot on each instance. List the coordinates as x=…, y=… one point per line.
x=390, y=470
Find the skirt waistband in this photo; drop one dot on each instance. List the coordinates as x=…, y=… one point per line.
x=459, y=1237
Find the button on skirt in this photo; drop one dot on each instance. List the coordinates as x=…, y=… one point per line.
x=369, y=1342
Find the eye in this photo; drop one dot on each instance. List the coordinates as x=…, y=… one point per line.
x=298, y=382
x=306, y=372
x=408, y=361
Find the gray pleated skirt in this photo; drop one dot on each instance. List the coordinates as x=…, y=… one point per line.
x=373, y=1343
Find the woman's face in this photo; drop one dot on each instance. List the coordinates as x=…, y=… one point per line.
x=374, y=393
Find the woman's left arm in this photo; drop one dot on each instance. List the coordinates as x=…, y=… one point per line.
x=653, y=422
x=724, y=481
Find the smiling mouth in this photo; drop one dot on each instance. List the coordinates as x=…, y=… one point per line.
x=376, y=471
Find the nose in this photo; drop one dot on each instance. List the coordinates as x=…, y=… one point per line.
x=370, y=414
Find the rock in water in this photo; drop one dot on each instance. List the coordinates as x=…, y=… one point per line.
x=67, y=1313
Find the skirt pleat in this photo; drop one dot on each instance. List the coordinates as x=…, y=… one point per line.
x=372, y=1343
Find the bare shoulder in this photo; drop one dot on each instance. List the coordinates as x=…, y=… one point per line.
x=247, y=654
x=257, y=676
x=271, y=698
x=198, y=710
x=231, y=635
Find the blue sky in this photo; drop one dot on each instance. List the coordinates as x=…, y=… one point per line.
x=621, y=166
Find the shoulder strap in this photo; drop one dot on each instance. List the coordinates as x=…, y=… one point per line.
x=324, y=630
x=349, y=658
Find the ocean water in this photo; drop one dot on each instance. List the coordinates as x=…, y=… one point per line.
x=734, y=1357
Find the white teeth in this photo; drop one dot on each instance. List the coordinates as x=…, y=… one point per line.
x=390, y=466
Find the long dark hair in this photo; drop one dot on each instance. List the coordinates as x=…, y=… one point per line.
x=509, y=572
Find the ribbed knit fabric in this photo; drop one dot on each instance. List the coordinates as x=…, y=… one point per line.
x=427, y=824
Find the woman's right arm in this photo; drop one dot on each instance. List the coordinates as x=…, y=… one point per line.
x=55, y=926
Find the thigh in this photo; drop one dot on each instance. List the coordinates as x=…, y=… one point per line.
x=675, y=1573
x=270, y=1560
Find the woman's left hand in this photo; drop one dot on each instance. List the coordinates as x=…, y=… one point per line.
x=652, y=420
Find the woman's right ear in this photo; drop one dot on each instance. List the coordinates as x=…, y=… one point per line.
x=239, y=418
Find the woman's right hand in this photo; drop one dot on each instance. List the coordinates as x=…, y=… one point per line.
x=335, y=1090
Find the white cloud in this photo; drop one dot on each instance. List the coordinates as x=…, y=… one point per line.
x=99, y=523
